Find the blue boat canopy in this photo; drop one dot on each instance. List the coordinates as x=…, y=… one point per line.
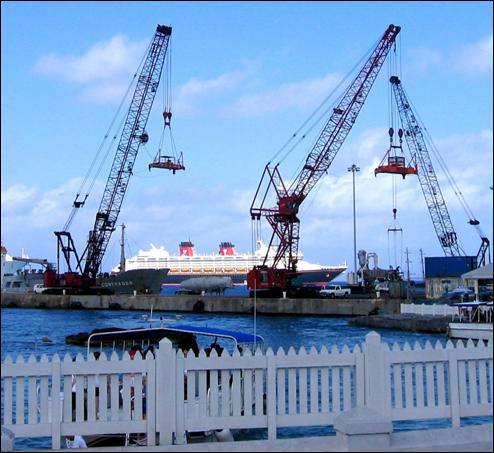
x=174, y=333
x=239, y=337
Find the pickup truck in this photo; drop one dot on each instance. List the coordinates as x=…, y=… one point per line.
x=334, y=291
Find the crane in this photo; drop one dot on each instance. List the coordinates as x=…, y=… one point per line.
x=415, y=138
x=83, y=277
x=283, y=217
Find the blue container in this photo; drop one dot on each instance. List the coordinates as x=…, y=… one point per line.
x=449, y=266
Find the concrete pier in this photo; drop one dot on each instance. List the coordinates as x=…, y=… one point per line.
x=406, y=321
x=207, y=304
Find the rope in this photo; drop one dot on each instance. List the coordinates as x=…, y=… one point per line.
x=442, y=163
x=318, y=108
x=98, y=152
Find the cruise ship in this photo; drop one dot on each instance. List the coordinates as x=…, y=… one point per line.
x=227, y=262
x=21, y=273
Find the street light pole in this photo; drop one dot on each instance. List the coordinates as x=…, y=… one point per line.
x=354, y=169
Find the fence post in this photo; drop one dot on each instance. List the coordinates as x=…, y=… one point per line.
x=376, y=375
x=165, y=392
x=271, y=394
x=56, y=414
x=454, y=391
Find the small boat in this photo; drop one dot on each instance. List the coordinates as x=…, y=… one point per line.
x=183, y=336
x=474, y=321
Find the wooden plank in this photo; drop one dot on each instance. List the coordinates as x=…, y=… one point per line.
x=314, y=390
x=335, y=389
x=441, y=384
x=43, y=399
x=19, y=401
x=302, y=390
x=7, y=404
x=248, y=393
x=419, y=382
x=32, y=405
x=259, y=392
x=409, y=388
x=430, y=386
x=462, y=382
x=292, y=391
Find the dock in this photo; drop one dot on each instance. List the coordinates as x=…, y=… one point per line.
x=206, y=304
x=405, y=321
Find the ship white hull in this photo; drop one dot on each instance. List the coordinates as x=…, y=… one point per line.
x=470, y=330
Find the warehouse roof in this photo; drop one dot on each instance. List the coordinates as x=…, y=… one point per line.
x=481, y=273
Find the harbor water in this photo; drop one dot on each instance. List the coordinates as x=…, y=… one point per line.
x=43, y=331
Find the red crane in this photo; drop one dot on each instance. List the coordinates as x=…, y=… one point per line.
x=272, y=279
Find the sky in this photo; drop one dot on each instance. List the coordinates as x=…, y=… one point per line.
x=245, y=76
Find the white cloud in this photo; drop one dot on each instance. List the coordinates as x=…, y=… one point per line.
x=474, y=59
x=327, y=214
x=421, y=59
x=303, y=94
x=191, y=94
x=104, y=60
x=17, y=198
x=102, y=69
x=104, y=92
x=209, y=215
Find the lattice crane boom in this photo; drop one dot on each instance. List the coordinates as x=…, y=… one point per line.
x=427, y=176
x=434, y=199
x=283, y=218
x=133, y=135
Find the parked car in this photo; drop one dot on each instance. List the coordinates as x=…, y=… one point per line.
x=461, y=293
x=335, y=291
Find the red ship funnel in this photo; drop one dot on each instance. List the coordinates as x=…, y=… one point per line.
x=227, y=248
x=186, y=248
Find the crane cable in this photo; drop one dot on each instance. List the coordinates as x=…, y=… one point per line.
x=77, y=204
x=318, y=108
x=318, y=120
x=167, y=108
x=308, y=205
x=442, y=163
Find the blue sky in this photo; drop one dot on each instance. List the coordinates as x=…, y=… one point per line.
x=245, y=76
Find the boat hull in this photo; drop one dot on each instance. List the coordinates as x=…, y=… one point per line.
x=139, y=281
x=319, y=277
x=470, y=330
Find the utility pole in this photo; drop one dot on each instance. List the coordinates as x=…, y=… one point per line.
x=422, y=263
x=408, y=266
x=354, y=169
x=408, y=276
x=122, y=250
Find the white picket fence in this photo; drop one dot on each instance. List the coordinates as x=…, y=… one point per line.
x=425, y=309
x=173, y=394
